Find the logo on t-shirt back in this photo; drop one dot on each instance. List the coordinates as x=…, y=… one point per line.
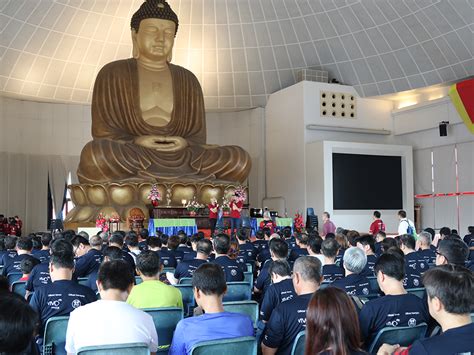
x=76, y=303
x=54, y=304
x=412, y=322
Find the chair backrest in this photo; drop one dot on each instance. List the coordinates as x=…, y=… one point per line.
x=122, y=349
x=165, y=320
x=186, y=281
x=188, y=297
x=310, y=211
x=238, y=291
x=249, y=308
x=236, y=346
x=250, y=265
x=419, y=292
x=18, y=287
x=373, y=283
x=84, y=281
x=324, y=285
x=138, y=280
x=248, y=277
x=13, y=277
x=403, y=336
x=472, y=317
x=299, y=344
x=168, y=269
x=54, y=338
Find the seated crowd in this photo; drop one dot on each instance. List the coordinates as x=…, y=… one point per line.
x=340, y=289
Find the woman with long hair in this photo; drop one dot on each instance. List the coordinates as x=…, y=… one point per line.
x=332, y=325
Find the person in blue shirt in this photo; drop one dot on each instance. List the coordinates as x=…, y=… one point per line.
x=367, y=244
x=9, y=252
x=451, y=251
x=301, y=247
x=88, y=259
x=397, y=308
x=289, y=238
x=247, y=251
x=354, y=283
x=331, y=272
x=116, y=240
x=186, y=268
x=166, y=258
x=232, y=270
x=183, y=244
x=43, y=253
x=379, y=238
x=142, y=239
x=63, y=295
x=173, y=244
x=278, y=251
x=109, y=254
x=193, y=240
x=425, y=252
x=289, y=318
x=450, y=289
x=413, y=259
x=263, y=248
x=209, y=286
x=24, y=245
x=412, y=277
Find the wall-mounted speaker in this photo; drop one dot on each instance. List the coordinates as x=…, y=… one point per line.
x=443, y=128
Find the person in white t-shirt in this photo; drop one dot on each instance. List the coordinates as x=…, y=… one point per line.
x=404, y=224
x=111, y=320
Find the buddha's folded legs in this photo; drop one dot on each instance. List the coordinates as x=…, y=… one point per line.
x=104, y=160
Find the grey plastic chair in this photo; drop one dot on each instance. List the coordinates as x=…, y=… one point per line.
x=299, y=344
x=419, y=292
x=18, y=287
x=54, y=338
x=236, y=346
x=249, y=308
x=165, y=320
x=403, y=336
x=122, y=349
x=238, y=291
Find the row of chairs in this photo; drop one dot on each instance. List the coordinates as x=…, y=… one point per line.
x=165, y=320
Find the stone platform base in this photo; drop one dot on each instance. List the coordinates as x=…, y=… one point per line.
x=122, y=198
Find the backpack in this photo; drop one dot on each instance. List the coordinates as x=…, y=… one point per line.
x=411, y=230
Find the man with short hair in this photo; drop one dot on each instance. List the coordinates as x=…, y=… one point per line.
x=109, y=254
x=186, y=268
x=152, y=293
x=301, y=247
x=209, y=287
x=377, y=225
x=88, y=259
x=328, y=226
x=9, y=252
x=166, y=256
x=405, y=225
x=354, y=283
x=232, y=270
x=379, y=238
x=278, y=251
x=331, y=272
x=413, y=260
x=450, y=289
x=247, y=251
x=24, y=246
x=131, y=240
x=63, y=295
x=116, y=240
x=111, y=320
x=397, y=308
x=183, y=244
x=96, y=243
x=367, y=244
x=173, y=244
x=142, y=239
x=451, y=251
x=289, y=318
x=314, y=247
x=425, y=251
x=43, y=254
x=280, y=290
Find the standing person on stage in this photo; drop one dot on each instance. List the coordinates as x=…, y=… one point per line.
x=213, y=209
x=328, y=226
x=377, y=225
x=236, y=206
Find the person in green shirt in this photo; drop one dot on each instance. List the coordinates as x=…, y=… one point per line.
x=152, y=293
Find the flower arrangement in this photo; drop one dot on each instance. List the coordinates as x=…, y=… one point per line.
x=225, y=205
x=101, y=222
x=298, y=222
x=154, y=196
x=114, y=218
x=240, y=193
x=194, y=206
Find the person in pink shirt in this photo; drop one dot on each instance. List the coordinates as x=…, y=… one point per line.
x=328, y=226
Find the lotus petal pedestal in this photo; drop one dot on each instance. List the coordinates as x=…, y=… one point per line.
x=122, y=198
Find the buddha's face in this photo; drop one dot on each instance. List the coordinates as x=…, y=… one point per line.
x=154, y=39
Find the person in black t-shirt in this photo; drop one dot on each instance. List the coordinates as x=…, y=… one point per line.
x=354, y=283
x=425, y=252
x=116, y=240
x=166, y=257
x=367, y=244
x=186, y=268
x=247, y=251
x=9, y=252
x=264, y=251
x=278, y=251
x=232, y=270
x=43, y=253
x=142, y=239
x=397, y=308
x=24, y=245
x=289, y=318
x=450, y=289
x=260, y=242
x=183, y=244
x=194, y=239
x=109, y=254
x=379, y=238
x=332, y=323
x=301, y=247
x=331, y=272
x=451, y=251
x=412, y=258
x=88, y=259
x=173, y=244
x=63, y=295
x=412, y=277
x=280, y=290
x=289, y=238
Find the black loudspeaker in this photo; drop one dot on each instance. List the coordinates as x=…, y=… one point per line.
x=443, y=128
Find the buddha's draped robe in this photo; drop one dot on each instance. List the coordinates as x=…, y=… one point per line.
x=112, y=155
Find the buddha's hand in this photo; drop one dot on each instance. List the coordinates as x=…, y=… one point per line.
x=162, y=143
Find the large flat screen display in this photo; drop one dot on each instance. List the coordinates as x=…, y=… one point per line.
x=367, y=182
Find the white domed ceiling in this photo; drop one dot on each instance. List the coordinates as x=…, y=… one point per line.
x=241, y=50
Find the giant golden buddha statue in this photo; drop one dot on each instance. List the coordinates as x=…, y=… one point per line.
x=148, y=118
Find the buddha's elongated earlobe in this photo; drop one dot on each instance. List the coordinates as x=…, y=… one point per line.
x=169, y=57
x=135, y=51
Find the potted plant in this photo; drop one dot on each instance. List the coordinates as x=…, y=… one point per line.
x=225, y=207
x=193, y=207
x=154, y=196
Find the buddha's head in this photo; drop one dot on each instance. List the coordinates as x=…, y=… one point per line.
x=154, y=28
